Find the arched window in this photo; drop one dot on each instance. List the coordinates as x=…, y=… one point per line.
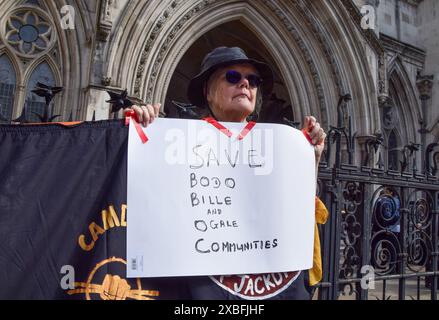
x=7, y=88
x=28, y=33
x=34, y=104
x=391, y=125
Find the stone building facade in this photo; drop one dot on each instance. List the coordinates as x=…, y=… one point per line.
x=383, y=53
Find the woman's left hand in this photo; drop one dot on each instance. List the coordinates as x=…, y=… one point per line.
x=317, y=135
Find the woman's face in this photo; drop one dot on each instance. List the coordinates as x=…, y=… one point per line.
x=228, y=101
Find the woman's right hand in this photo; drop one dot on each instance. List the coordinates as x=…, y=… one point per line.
x=146, y=114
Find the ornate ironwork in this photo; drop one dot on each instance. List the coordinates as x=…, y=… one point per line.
x=186, y=110
x=119, y=101
x=383, y=219
x=385, y=254
x=48, y=93
x=351, y=232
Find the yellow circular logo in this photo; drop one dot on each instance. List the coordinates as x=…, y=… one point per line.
x=111, y=287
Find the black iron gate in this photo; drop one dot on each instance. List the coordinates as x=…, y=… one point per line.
x=383, y=226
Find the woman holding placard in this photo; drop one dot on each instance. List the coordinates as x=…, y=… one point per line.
x=229, y=87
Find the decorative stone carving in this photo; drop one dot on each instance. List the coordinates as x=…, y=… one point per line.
x=154, y=33
x=398, y=48
x=106, y=81
x=307, y=55
x=383, y=91
x=105, y=23
x=369, y=35
x=319, y=33
x=425, y=86
x=29, y=32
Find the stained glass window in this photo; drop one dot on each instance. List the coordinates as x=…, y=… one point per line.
x=34, y=104
x=7, y=88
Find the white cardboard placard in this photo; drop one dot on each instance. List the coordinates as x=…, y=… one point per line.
x=202, y=203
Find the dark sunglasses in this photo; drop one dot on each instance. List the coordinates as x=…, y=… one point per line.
x=235, y=77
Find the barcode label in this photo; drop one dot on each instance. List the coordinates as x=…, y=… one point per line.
x=133, y=263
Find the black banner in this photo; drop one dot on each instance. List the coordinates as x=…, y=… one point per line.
x=63, y=214
x=63, y=218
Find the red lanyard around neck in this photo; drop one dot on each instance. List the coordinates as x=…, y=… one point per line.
x=226, y=131
x=132, y=115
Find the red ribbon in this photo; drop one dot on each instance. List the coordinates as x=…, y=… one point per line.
x=130, y=114
x=307, y=136
x=226, y=131
x=246, y=130
x=219, y=126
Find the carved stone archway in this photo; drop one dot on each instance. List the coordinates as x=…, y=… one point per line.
x=317, y=48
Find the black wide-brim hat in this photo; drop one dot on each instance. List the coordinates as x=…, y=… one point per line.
x=223, y=57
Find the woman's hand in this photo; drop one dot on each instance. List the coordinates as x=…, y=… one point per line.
x=317, y=135
x=146, y=114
